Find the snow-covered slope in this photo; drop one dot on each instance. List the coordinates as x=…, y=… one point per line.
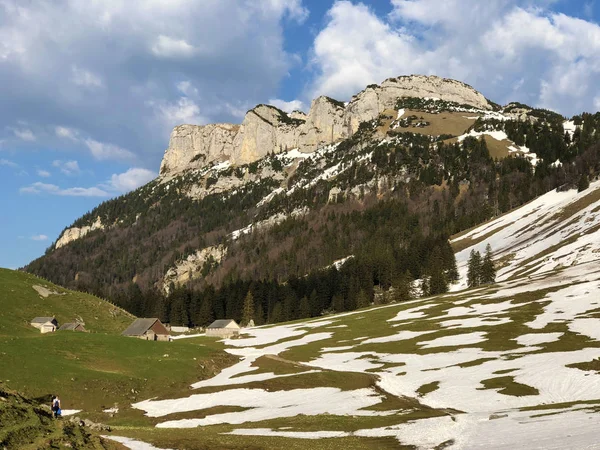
x=512, y=365
x=558, y=229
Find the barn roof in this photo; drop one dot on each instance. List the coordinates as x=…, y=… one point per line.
x=139, y=327
x=221, y=323
x=43, y=319
x=69, y=326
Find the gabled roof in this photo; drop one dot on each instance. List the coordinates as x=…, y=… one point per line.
x=139, y=327
x=43, y=319
x=222, y=323
x=70, y=326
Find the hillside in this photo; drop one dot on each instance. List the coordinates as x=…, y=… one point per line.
x=25, y=296
x=364, y=205
x=95, y=370
x=511, y=365
x=28, y=425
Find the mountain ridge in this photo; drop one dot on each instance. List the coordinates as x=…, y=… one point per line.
x=385, y=200
x=267, y=129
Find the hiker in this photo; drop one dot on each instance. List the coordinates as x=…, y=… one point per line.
x=56, y=412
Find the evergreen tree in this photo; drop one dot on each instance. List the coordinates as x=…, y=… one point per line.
x=583, y=184
x=303, y=308
x=362, y=301
x=405, y=289
x=248, y=309
x=488, y=269
x=474, y=269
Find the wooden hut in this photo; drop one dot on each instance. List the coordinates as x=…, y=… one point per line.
x=44, y=324
x=224, y=328
x=148, y=329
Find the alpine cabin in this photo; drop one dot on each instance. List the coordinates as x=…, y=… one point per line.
x=224, y=328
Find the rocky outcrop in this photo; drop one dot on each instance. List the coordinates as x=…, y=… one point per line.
x=266, y=129
x=192, y=267
x=71, y=234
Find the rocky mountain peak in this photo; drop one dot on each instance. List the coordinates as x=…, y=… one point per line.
x=267, y=129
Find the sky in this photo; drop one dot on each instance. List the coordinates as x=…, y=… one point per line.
x=90, y=89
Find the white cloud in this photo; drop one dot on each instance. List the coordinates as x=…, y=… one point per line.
x=8, y=163
x=230, y=51
x=184, y=110
x=507, y=49
x=43, y=173
x=39, y=188
x=132, y=179
x=67, y=167
x=288, y=107
x=168, y=47
x=39, y=237
x=24, y=134
x=103, y=151
x=187, y=88
x=85, y=78
x=67, y=133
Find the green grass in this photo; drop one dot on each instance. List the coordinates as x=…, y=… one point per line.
x=508, y=386
x=20, y=303
x=96, y=370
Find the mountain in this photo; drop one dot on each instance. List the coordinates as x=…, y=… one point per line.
x=509, y=365
x=325, y=211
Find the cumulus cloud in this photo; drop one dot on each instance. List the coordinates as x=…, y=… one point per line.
x=132, y=179
x=168, y=47
x=39, y=237
x=103, y=151
x=117, y=184
x=57, y=55
x=67, y=133
x=508, y=49
x=85, y=78
x=184, y=110
x=39, y=188
x=67, y=167
x=43, y=173
x=24, y=134
x=288, y=107
x=8, y=163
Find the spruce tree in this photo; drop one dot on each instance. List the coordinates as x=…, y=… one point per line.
x=488, y=269
x=248, y=309
x=303, y=308
x=583, y=184
x=474, y=269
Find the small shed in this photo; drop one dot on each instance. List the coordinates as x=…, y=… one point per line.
x=148, y=329
x=45, y=324
x=74, y=326
x=223, y=328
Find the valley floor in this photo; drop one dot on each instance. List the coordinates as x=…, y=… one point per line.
x=512, y=365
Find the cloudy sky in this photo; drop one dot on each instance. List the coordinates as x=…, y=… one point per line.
x=90, y=89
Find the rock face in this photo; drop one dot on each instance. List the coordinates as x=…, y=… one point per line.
x=191, y=267
x=266, y=129
x=74, y=233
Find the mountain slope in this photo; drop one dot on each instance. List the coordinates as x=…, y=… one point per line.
x=94, y=370
x=383, y=196
x=512, y=365
x=25, y=296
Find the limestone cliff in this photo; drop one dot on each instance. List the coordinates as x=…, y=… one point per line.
x=266, y=129
x=71, y=234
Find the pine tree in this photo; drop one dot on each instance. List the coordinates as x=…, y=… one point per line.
x=474, y=269
x=248, y=309
x=405, y=290
x=362, y=301
x=303, y=308
x=488, y=269
x=583, y=184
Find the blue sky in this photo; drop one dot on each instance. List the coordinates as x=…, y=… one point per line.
x=91, y=89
